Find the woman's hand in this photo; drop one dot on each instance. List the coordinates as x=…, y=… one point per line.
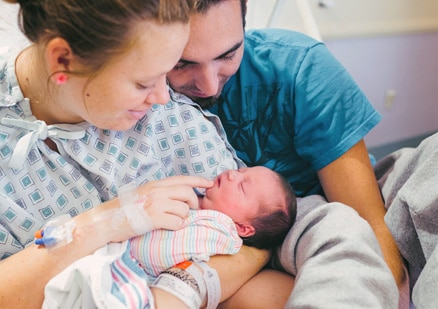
x=167, y=201
x=158, y=204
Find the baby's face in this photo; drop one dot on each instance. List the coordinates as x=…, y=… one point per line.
x=239, y=193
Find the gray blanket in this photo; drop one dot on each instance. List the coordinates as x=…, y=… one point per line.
x=408, y=179
x=336, y=259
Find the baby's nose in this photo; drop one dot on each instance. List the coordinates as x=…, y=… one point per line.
x=232, y=175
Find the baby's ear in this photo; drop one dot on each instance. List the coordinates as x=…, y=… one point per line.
x=245, y=230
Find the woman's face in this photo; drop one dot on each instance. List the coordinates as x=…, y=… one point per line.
x=121, y=93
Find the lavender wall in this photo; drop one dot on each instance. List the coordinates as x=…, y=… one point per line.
x=407, y=64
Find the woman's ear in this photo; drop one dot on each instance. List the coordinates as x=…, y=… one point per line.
x=244, y=230
x=59, y=56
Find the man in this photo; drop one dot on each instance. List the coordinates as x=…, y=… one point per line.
x=287, y=104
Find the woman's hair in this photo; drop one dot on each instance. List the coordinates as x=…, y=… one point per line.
x=271, y=229
x=96, y=29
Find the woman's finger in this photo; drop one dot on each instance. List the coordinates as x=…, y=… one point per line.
x=182, y=193
x=171, y=222
x=191, y=181
x=166, y=213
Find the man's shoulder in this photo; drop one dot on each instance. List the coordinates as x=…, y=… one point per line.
x=271, y=55
x=278, y=47
x=279, y=37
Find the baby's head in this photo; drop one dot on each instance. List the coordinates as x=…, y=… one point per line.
x=261, y=203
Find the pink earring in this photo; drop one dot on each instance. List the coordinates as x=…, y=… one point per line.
x=61, y=78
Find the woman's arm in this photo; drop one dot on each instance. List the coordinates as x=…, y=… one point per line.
x=350, y=180
x=233, y=271
x=25, y=274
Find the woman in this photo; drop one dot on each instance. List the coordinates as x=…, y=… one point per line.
x=92, y=72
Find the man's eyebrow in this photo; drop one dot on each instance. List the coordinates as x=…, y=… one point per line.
x=232, y=49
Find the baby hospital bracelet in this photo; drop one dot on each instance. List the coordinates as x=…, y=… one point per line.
x=183, y=284
x=191, y=283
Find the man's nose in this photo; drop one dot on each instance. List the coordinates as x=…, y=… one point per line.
x=208, y=80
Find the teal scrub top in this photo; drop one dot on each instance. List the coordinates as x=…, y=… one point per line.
x=292, y=107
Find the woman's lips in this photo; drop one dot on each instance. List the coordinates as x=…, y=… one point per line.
x=137, y=114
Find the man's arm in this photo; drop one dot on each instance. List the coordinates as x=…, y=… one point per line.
x=350, y=180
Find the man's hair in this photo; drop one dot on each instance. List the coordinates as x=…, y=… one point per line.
x=271, y=229
x=202, y=6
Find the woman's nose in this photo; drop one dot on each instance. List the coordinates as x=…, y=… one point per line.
x=160, y=93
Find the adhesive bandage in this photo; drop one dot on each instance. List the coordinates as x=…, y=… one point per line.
x=132, y=205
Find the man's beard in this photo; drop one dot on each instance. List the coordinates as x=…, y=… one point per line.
x=206, y=103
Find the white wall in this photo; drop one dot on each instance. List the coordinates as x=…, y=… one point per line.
x=347, y=18
x=389, y=47
x=9, y=32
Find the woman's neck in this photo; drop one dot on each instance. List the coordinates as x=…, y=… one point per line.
x=32, y=78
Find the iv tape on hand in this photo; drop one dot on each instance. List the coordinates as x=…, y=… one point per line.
x=56, y=233
x=132, y=205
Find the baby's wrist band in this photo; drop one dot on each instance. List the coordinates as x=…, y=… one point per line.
x=183, y=284
x=192, y=285
x=213, y=285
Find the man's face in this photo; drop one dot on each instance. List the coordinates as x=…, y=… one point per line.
x=212, y=55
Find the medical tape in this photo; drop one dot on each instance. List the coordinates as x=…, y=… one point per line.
x=132, y=205
x=56, y=233
x=185, y=281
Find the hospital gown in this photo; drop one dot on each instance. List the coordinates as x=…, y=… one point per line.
x=92, y=164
